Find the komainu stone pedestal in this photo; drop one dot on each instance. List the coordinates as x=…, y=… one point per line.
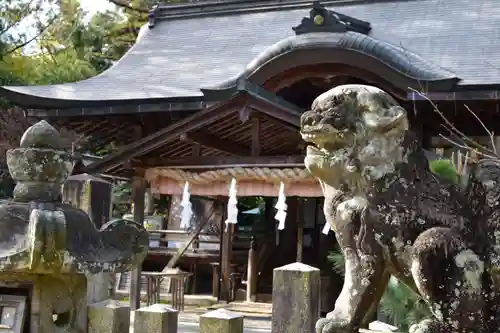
x=296, y=298
x=109, y=316
x=221, y=321
x=157, y=318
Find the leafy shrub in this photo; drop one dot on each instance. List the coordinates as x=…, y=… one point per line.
x=445, y=169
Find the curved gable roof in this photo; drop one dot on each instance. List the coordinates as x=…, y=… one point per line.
x=183, y=53
x=327, y=47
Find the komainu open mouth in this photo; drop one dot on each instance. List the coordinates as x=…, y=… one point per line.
x=323, y=139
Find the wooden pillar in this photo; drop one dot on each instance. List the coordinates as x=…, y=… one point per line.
x=252, y=272
x=138, y=193
x=226, y=254
x=300, y=228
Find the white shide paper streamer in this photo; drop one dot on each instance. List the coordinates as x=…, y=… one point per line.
x=281, y=206
x=187, y=209
x=232, y=205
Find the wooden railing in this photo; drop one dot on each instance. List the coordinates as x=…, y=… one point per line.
x=202, y=244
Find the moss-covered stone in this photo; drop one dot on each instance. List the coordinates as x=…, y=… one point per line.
x=49, y=248
x=41, y=135
x=221, y=321
x=110, y=316
x=296, y=298
x=157, y=318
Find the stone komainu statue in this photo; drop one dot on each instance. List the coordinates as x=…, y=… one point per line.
x=393, y=216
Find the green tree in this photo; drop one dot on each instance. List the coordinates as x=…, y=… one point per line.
x=22, y=22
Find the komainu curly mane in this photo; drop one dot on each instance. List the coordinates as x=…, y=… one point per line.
x=393, y=216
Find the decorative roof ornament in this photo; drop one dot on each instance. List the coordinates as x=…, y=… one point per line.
x=153, y=15
x=322, y=19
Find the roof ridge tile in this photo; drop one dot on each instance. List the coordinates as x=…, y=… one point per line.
x=227, y=7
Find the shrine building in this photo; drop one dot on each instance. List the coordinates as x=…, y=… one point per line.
x=213, y=92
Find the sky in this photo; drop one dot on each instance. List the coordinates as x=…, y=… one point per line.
x=90, y=6
x=94, y=6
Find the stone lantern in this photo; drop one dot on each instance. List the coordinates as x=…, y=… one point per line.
x=47, y=248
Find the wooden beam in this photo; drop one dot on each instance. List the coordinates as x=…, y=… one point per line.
x=211, y=141
x=159, y=138
x=287, y=126
x=252, y=274
x=138, y=194
x=300, y=229
x=255, y=136
x=226, y=256
x=220, y=162
x=196, y=150
x=276, y=112
x=273, y=105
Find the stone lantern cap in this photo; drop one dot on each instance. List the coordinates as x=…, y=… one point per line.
x=40, y=234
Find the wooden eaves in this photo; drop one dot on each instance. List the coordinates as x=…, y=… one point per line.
x=245, y=95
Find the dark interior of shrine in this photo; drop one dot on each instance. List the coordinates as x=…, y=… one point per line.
x=303, y=92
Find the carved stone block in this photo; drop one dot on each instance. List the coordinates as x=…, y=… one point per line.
x=158, y=318
x=47, y=248
x=296, y=298
x=221, y=321
x=109, y=316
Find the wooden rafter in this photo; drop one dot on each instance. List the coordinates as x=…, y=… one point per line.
x=224, y=162
x=213, y=142
x=158, y=139
x=247, y=93
x=256, y=126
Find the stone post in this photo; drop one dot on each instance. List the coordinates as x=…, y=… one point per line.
x=221, y=321
x=109, y=316
x=157, y=318
x=296, y=298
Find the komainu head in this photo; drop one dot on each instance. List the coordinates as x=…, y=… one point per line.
x=355, y=135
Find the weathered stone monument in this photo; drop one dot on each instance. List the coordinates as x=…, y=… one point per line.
x=393, y=216
x=47, y=248
x=157, y=318
x=296, y=298
x=221, y=321
x=109, y=316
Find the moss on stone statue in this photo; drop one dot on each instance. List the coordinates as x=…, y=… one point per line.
x=85, y=196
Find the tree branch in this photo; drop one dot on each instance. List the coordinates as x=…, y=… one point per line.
x=24, y=13
x=122, y=4
x=20, y=46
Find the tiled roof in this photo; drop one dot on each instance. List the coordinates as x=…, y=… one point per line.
x=197, y=47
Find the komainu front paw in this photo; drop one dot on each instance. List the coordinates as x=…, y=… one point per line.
x=332, y=325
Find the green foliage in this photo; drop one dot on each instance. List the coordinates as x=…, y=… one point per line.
x=445, y=169
x=337, y=260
